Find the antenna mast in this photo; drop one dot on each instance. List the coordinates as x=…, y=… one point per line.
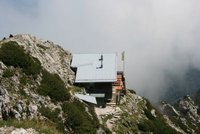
x=123, y=60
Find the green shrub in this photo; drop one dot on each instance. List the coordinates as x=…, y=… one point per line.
x=53, y=116
x=144, y=126
x=12, y=54
x=52, y=86
x=33, y=68
x=23, y=80
x=157, y=125
x=22, y=92
x=42, y=46
x=78, y=119
x=8, y=73
x=75, y=89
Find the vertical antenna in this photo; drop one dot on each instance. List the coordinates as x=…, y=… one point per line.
x=123, y=60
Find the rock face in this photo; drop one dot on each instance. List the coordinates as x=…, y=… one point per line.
x=183, y=115
x=18, y=100
x=168, y=109
x=18, y=96
x=52, y=57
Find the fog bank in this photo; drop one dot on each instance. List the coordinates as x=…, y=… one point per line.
x=157, y=36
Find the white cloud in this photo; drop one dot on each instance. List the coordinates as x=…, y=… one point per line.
x=157, y=35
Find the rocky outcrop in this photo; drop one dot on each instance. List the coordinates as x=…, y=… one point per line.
x=168, y=109
x=52, y=57
x=18, y=92
x=18, y=100
x=12, y=130
x=134, y=114
x=183, y=115
x=188, y=107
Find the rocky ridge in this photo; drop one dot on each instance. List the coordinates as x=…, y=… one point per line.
x=52, y=57
x=183, y=115
x=13, y=94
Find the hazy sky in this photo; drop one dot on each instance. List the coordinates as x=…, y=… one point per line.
x=156, y=35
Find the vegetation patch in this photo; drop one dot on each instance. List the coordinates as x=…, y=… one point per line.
x=156, y=125
x=41, y=126
x=22, y=92
x=107, y=117
x=11, y=54
x=52, y=86
x=42, y=46
x=8, y=73
x=75, y=89
x=78, y=119
x=53, y=116
x=23, y=80
x=127, y=124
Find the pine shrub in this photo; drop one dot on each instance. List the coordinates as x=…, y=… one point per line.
x=11, y=54
x=52, y=86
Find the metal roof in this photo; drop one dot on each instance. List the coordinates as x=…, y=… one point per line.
x=95, y=67
x=87, y=98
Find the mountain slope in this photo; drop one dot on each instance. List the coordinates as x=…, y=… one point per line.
x=183, y=115
x=134, y=115
x=35, y=82
x=36, y=91
x=51, y=56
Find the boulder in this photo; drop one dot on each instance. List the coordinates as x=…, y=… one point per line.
x=2, y=91
x=32, y=110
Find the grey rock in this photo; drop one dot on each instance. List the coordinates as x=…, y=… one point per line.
x=101, y=131
x=169, y=110
x=153, y=112
x=52, y=57
x=32, y=110
x=19, y=107
x=187, y=105
x=12, y=130
x=2, y=66
x=24, y=131
x=2, y=91
x=17, y=115
x=2, y=98
x=1, y=106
